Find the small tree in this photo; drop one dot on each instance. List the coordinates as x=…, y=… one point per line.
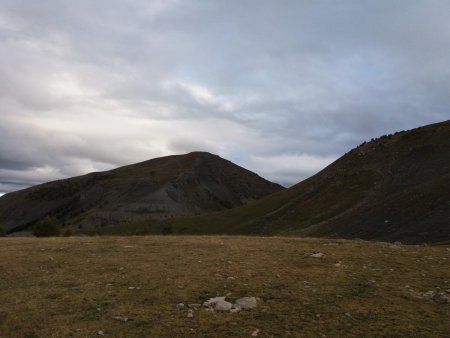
x=47, y=227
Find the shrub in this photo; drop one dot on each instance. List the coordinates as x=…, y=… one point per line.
x=167, y=230
x=67, y=232
x=2, y=232
x=47, y=227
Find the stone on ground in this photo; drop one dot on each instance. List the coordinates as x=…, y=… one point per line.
x=247, y=302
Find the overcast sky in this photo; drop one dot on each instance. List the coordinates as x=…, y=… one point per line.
x=282, y=88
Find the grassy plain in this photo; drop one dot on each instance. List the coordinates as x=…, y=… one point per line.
x=74, y=287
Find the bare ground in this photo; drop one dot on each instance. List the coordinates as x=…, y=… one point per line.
x=73, y=287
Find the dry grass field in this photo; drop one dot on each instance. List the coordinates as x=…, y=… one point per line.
x=75, y=287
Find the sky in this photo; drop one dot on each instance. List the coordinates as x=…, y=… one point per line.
x=280, y=87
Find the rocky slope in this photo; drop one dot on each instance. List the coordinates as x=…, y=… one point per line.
x=158, y=189
x=394, y=188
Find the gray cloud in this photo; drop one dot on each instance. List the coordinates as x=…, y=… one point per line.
x=282, y=88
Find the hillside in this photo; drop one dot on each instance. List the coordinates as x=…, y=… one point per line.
x=394, y=188
x=134, y=287
x=158, y=189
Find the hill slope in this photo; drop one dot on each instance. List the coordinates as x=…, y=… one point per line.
x=160, y=188
x=396, y=187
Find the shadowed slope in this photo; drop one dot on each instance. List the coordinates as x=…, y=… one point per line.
x=160, y=188
x=396, y=187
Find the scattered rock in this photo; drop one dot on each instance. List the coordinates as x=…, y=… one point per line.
x=255, y=333
x=100, y=333
x=131, y=288
x=121, y=318
x=222, y=305
x=235, y=308
x=338, y=264
x=428, y=294
x=440, y=297
x=247, y=302
x=194, y=305
x=210, y=302
x=317, y=255
x=180, y=305
x=190, y=313
x=218, y=304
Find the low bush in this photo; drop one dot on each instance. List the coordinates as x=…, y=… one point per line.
x=47, y=227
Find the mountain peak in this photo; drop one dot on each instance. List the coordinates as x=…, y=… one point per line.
x=159, y=188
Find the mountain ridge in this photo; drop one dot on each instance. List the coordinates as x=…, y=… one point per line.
x=395, y=187
x=160, y=188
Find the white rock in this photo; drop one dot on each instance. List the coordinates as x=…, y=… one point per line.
x=180, y=305
x=131, y=287
x=255, y=333
x=247, y=302
x=429, y=294
x=194, y=305
x=121, y=318
x=100, y=333
x=222, y=305
x=211, y=301
x=317, y=255
x=236, y=308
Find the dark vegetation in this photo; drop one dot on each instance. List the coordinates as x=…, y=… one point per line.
x=47, y=227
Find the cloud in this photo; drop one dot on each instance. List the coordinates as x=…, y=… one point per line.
x=280, y=88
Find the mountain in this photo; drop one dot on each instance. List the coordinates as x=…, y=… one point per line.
x=394, y=188
x=161, y=188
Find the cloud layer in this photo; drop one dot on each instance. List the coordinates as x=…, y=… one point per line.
x=282, y=88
